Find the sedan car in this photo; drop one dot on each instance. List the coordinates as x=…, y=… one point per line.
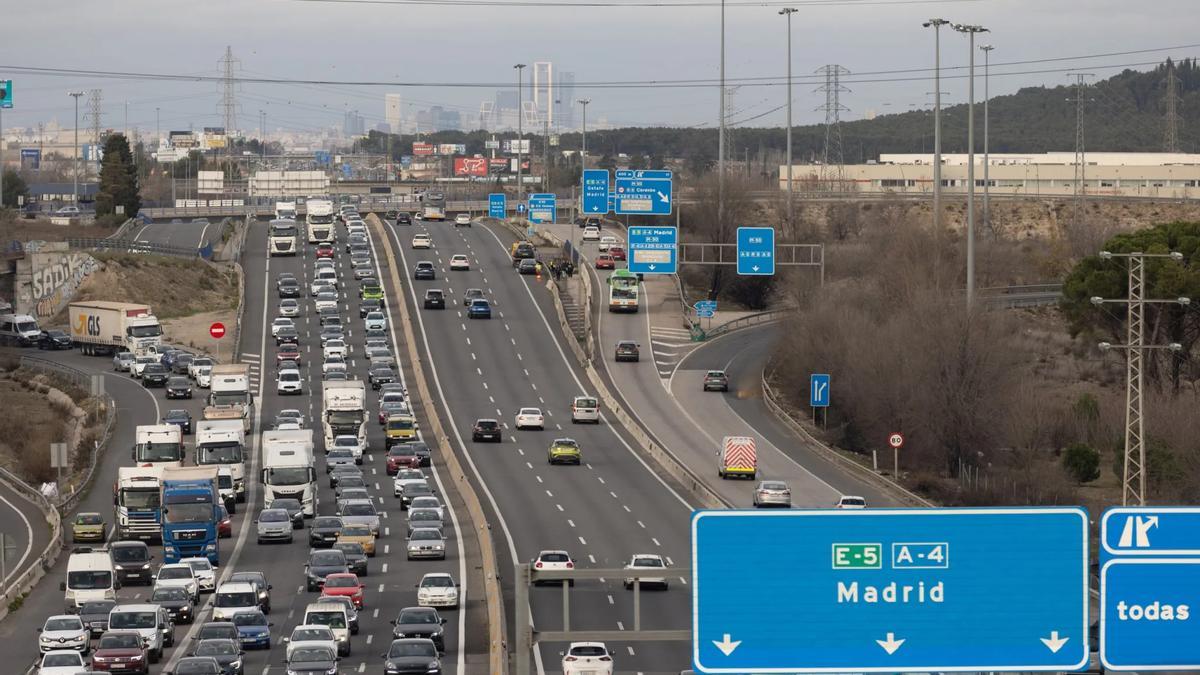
x=176, y=601
x=289, y=381
x=851, y=502
x=254, y=630
x=605, y=261
x=288, y=353
x=228, y=653
x=380, y=375
x=460, y=262
x=412, y=491
x=412, y=655
x=389, y=408
x=155, y=375
x=333, y=363
x=345, y=584
x=587, y=658
x=312, y=659
x=420, y=622
x=289, y=307
x=325, y=299
x=424, y=270
x=405, y=478
x=423, y=519
x=564, y=451
x=338, y=457
x=293, y=507
x=122, y=361
x=285, y=335
x=487, y=430
x=616, y=252
x=403, y=218
x=365, y=307
x=206, y=574
x=334, y=347
x=179, y=575
x=54, y=339
x=280, y=322
x=121, y=651
x=70, y=662
x=94, y=615
x=646, y=563
x=422, y=240
x=356, y=556
x=288, y=289
x=607, y=242
x=462, y=219
x=772, y=493
x=426, y=542
x=322, y=563
x=716, y=380
x=357, y=533
x=527, y=266
x=479, y=309
x=530, y=418
x=627, y=350
x=349, y=443
x=180, y=417
x=323, y=531
x=437, y=589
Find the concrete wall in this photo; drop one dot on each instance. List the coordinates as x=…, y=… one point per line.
x=46, y=280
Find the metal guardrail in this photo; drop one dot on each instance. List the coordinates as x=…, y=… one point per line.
x=123, y=229
x=131, y=246
x=748, y=321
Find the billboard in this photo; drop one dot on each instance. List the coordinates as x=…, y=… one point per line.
x=512, y=146
x=451, y=149
x=182, y=139
x=524, y=165
x=470, y=166
x=422, y=149
x=498, y=165
x=31, y=158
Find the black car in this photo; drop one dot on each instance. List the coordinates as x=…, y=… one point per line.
x=198, y=665
x=380, y=375
x=155, y=375
x=627, y=350
x=287, y=335
x=369, y=305
x=324, y=531
x=179, y=387
x=420, y=622
x=210, y=630
x=486, y=430
x=356, y=556
x=259, y=581
x=411, y=655
x=422, y=452
x=94, y=615
x=54, y=339
x=321, y=564
x=289, y=289
x=132, y=559
x=294, y=510
x=312, y=660
x=285, y=277
x=527, y=266
x=181, y=417
x=424, y=270
x=176, y=600
x=226, y=652
x=180, y=365
x=403, y=218
x=435, y=299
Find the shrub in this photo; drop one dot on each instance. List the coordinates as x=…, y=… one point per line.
x=1082, y=462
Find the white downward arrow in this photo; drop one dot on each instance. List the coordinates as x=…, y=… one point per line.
x=727, y=646
x=652, y=267
x=891, y=644
x=1054, y=643
x=755, y=268
x=663, y=198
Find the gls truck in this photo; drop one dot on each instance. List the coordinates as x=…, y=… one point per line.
x=288, y=473
x=158, y=445
x=229, y=394
x=101, y=327
x=319, y=218
x=190, y=514
x=344, y=410
x=222, y=443
x=137, y=503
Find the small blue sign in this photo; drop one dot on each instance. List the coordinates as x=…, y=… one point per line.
x=818, y=390
x=643, y=192
x=497, y=205
x=890, y=590
x=6, y=94
x=406, y=161
x=756, y=251
x=595, y=191
x=322, y=158
x=705, y=309
x=652, y=250
x=520, y=208
x=542, y=207
x=347, y=170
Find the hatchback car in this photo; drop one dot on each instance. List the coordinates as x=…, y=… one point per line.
x=772, y=493
x=274, y=525
x=422, y=241
x=289, y=307
x=627, y=350
x=487, y=430
x=587, y=658
x=851, y=502
x=345, y=584
x=64, y=631
x=121, y=651
x=322, y=563
x=530, y=418
x=424, y=271
x=527, y=266
x=412, y=655
x=642, y=564
x=470, y=295
x=716, y=380
x=435, y=299
x=564, y=451
x=605, y=261
x=463, y=219
x=325, y=250
x=460, y=262
x=323, y=531
x=551, y=561
x=88, y=526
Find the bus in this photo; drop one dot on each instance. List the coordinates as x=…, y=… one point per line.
x=433, y=206
x=284, y=235
x=623, y=291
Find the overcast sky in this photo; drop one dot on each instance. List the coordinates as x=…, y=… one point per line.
x=387, y=41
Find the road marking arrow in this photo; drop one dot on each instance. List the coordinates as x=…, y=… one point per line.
x=891, y=644
x=664, y=198
x=1054, y=643
x=727, y=646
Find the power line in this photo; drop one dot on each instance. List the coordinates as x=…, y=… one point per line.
x=632, y=3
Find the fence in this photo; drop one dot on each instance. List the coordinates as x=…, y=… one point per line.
x=131, y=246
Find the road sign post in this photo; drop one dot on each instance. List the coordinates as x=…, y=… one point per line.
x=818, y=396
x=217, y=331
x=595, y=191
x=645, y=193
x=896, y=441
x=652, y=250
x=755, y=251
x=890, y=590
x=498, y=205
x=542, y=207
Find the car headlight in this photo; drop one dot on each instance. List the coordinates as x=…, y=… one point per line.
x=434, y=665
x=235, y=664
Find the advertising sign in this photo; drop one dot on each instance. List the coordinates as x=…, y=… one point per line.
x=422, y=149
x=451, y=149
x=470, y=166
x=512, y=146
x=498, y=165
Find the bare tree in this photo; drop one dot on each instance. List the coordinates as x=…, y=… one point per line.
x=703, y=224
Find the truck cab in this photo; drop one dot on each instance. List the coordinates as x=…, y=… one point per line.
x=191, y=514
x=222, y=443
x=158, y=445
x=137, y=503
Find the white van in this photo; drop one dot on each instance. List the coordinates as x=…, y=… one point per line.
x=233, y=597
x=21, y=329
x=585, y=409
x=90, y=576
x=328, y=275
x=152, y=622
x=334, y=616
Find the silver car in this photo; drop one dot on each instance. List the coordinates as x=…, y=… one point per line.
x=273, y=525
x=423, y=518
x=772, y=493
x=426, y=542
x=122, y=361
x=360, y=511
x=338, y=457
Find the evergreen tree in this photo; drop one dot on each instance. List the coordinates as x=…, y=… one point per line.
x=118, y=179
x=14, y=187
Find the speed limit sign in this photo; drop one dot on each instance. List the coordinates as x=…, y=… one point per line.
x=895, y=440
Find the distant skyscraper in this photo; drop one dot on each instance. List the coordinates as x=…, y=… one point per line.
x=354, y=124
x=391, y=111
x=564, y=101
x=506, y=109
x=543, y=90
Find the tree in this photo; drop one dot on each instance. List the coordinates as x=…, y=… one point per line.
x=118, y=179
x=14, y=187
x=1082, y=461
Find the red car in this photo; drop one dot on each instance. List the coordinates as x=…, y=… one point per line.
x=325, y=250
x=225, y=525
x=401, y=457
x=344, y=584
x=605, y=261
x=120, y=651
x=288, y=352
x=616, y=252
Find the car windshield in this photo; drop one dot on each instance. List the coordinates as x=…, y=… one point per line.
x=488, y=424
x=200, y=565
x=333, y=619
x=129, y=553
x=307, y=654
x=62, y=660
x=88, y=519
x=168, y=594
x=437, y=582
x=71, y=623
x=647, y=562
x=716, y=373
x=97, y=607
x=356, y=530
x=327, y=558
x=249, y=619
x=127, y=641
x=274, y=516
x=216, y=648
x=302, y=634
x=554, y=557
x=358, y=510
x=423, y=514
x=426, y=535
x=349, y=548
x=176, y=573
x=417, y=616
x=589, y=650
x=288, y=504
x=216, y=630
x=239, y=599
x=326, y=522
x=409, y=649
x=566, y=442
x=132, y=620
x=768, y=485
x=89, y=580
x=341, y=582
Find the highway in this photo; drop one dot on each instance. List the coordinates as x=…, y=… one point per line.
x=25, y=532
x=185, y=234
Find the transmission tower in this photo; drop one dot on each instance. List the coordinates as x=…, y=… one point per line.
x=1080, y=154
x=95, y=105
x=1171, y=128
x=228, y=105
x=832, y=169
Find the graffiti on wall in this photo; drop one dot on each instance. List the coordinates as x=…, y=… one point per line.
x=55, y=284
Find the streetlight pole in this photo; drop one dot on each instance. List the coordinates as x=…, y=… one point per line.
x=520, y=68
x=788, y=12
x=582, y=156
x=987, y=220
x=76, y=95
x=970, y=31
x=721, y=131
x=937, y=121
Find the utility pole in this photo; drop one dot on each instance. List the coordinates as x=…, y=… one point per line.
x=228, y=108
x=546, y=152
x=788, y=12
x=157, y=127
x=1171, y=127
x=721, y=131
x=987, y=162
x=520, y=68
x=970, y=31
x=1080, y=155
x=833, y=109
x=76, y=95
x=95, y=100
x=1133, y=491
x=937, y=121
x=582, y=161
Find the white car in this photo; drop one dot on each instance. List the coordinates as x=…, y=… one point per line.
x=458, y=261
x=326, y=299
x=428, y=502
x=199, y=363
x=375, y=321
x=178, y=575
x=332, y=363
x=462, y=219
x=323, y=263
x=349, y=442
x=851, y=502
x=64, y=631
x=405, y=478
x=530, y=418
x=607, y=242
x=204, y=377
x=61, y=662
x=206, y=574
x=311, y=635
x=318, y=286
x=422, y=241
x=437, y=589
x=591, y=233
x=646, y=563
x=139, y=364
x=289, y=307
x=68, y=211
x=550, y=561
x=280, y=323
x=289, y=382
x=334, y=347
x=587, y=658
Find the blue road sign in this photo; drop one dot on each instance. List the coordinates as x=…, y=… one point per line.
x=705, y=309
x=347, y=171
x=890, y=590
x=542, y=207
x=520, y=208
x=642, y=192
x=595, y=191
x=652, y=250
x=497, y=205
x=1149, y=587
x=818, y=390
x=756, y=251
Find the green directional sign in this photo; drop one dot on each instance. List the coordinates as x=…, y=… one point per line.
x=6, y=99
x=856, y=556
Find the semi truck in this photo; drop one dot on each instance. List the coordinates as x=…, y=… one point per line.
x=229, y=394
x=158, y=445
x=319, y=219
x=102, y=327
x=344, y=410
x=137, y=503
x=222, y=443
x=288, y=473
x=190, y=502
x=285, y=210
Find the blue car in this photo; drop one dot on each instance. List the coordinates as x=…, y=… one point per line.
x=254, y=631
x=479, y=309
